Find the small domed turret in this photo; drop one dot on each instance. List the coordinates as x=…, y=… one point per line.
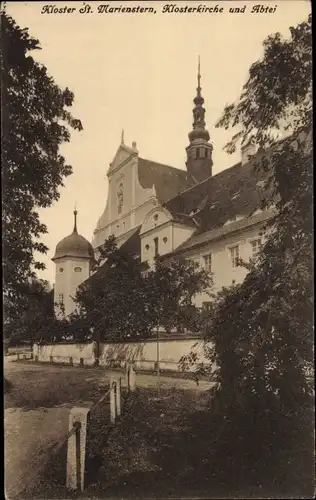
x=74, y=245
x=74, y=261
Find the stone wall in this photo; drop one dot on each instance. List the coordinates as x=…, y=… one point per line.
x=143, y=354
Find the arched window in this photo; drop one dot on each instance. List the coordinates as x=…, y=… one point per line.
x=120, y=199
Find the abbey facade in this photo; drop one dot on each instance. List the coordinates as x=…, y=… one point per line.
x=154, y=209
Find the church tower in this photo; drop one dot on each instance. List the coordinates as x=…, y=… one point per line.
x=74, y=259
x=199, y=152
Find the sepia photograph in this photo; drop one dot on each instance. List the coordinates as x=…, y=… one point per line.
x=157, y=250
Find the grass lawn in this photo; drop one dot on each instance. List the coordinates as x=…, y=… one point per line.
x=45, y=386
x=154, y=450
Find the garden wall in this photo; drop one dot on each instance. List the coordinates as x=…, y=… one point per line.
x=115, y=354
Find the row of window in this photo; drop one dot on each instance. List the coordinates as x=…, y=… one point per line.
x=156, y=245
x=200, y=153
x=76, y=269
x=234, y=255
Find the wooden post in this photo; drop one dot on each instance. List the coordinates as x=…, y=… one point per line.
x=71, y=361
x=36, y=359
x=158, y=364
x=118, y=397
x=112, y=401
x=81, y=362
x=51, y=359
x=132, y=379
x=76, y=452
x=78, y=461
x=127, y=375
x=18, y=357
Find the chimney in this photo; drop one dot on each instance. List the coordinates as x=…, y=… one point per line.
x=248, y=150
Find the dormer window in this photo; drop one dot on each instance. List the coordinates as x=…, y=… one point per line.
x=120, y=199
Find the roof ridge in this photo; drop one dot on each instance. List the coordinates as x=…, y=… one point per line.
x=164, y=165
x=205, y=180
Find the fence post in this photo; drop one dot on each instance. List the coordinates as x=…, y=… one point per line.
x=71, y=361
x=36, y=359
x=76, y=452
x=131, y=379
x=18, y=357
x=118, y=397
x=113, y=392
x=81, y=362
x=51, y=359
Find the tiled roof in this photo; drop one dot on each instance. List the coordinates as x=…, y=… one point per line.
x=126, y=238
x=168, y=181
x=238, y=190
x=200, y=239
x=185, y=219
x=131, y=245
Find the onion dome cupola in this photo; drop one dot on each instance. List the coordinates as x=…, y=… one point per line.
x=199, y=152
x=74, y=245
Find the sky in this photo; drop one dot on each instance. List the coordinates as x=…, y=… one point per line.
x=138, y=72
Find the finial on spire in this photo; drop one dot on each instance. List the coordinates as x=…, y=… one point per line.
x=122, y=136
x=75, y=218
x=199, y=74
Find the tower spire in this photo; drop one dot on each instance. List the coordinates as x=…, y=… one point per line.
x=199, y=131
x=199, y=152
x=75, y=219
x=199, y=78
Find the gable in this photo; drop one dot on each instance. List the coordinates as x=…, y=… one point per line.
x=155, y=218
x=121, y=157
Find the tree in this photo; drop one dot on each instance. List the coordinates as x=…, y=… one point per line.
x=125, y=299
x=35, y=122
x=34, y=320
x=108, y=304
x=261, y=330
x=170, y=287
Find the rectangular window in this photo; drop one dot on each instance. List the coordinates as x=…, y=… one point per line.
x=234, y=255
x=61, y=298
x=255, y=247
x=191, y=262
x=206, y=306
x=156, y=246
x=208, y=262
